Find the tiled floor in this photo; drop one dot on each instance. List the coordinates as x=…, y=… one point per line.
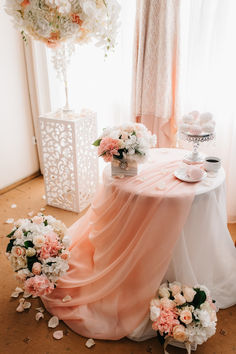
x=20, y=333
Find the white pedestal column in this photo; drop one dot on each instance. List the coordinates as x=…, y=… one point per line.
x=70, y=162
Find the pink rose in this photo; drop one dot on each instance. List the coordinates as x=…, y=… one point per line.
x=189, y=293
x=18, y=251
x=37, y=219
x=175, y=288
x=179, y=299
x=186, y=316
x=38, y=285
x=36, y=269
x=179, y=333
x=167, y=303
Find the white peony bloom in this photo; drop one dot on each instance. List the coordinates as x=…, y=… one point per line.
x=66, y=241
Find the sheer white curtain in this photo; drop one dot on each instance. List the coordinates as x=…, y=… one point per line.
x=98, y=83
x=208, y=75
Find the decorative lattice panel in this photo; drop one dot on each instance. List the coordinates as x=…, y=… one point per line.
x=70, y=161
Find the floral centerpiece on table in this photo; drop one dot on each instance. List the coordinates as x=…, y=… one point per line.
x=128, y=141
x=55, y=21
x=185, y=314
x=38, y=253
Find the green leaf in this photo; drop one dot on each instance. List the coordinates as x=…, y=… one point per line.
x=10, y=245
x=11, y=233
x=45, y=222
x=28, y=244
x=31, y=261
x=50, y=263
x=97, y=142
x=199, y=298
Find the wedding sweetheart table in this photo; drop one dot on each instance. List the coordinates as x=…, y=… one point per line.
x=138, y=232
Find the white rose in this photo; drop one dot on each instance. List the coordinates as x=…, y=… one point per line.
x=163, y=291
x=189, y=293
x=154, y=313
x=175, y=287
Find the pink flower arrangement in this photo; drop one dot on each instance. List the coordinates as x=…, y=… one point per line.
x=38, y=253
x=38, y=285
x=108, y=148
x=187, y=314
x=125, y=142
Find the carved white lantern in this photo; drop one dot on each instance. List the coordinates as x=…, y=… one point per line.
x=70, y=163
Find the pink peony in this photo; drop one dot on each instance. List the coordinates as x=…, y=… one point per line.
x=50, y=247
x=36, y=269
x=108, y=148
x=166, y=321
x=38, y=285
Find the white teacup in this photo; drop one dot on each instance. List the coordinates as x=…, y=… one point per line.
x=212, y=164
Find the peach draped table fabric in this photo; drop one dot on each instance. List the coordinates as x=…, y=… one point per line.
x=121, y=249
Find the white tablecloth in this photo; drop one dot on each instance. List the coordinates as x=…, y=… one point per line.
x=205, y=253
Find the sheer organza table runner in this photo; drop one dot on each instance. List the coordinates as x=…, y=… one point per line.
x=121, y=249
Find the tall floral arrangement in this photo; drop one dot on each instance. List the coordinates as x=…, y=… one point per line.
x=185, y=314
x=56, y=21
x=60, y=24
x=38, y=253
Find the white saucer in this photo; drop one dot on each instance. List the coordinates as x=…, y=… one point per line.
x=181, y=174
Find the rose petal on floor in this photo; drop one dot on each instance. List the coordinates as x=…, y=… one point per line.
x=15, y=294
x=31, y=213
x=19, y=290
x=40, y=309
x=27, y=305
x=67, y=298
x=53, y=322
x=26, y=295
x=42, y=209
x=58, y=334
x=9, y=221
x=43, y=197
x=39, y=315
x=13, y=206
x=90, y=343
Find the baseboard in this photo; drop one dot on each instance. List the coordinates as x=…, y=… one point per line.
x=22, y=181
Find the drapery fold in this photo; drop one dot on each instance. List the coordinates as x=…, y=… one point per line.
x=120, y=252
x=155, y=85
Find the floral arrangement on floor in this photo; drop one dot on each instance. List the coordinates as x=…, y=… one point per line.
x=129, y=142
x=55, y=21
x=38, y=253
x=185, y=314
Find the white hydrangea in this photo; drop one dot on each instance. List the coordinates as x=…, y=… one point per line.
x=199, y=334
x=56, y=268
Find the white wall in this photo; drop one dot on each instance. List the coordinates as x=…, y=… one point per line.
x=18, y=155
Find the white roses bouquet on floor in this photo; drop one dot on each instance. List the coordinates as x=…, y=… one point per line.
x=55, y=21
x=38, y=253
x=128, y=141
x=186, y=314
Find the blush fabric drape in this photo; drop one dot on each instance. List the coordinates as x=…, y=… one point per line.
x=156, y=50
x=120, y=252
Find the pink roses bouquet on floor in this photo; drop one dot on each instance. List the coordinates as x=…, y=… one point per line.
x=38, y=253
x=129, y=141
x=185, y=314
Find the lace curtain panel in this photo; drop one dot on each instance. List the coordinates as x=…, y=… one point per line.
x=156, y=67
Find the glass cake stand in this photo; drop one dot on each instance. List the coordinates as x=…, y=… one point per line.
x=195, y=157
